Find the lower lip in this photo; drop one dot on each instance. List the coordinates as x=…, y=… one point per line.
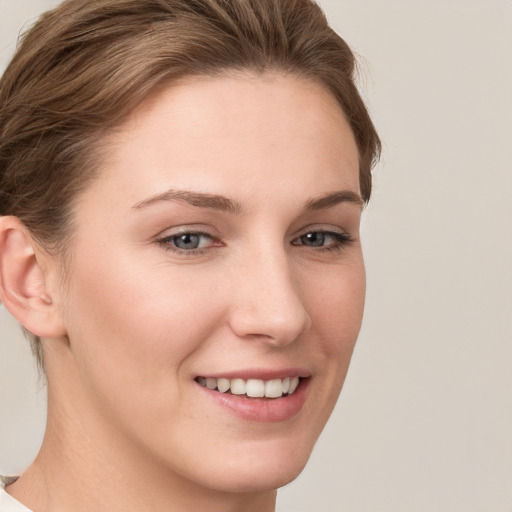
x=262, y=410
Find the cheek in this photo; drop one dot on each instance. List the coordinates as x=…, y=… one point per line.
x=337, y=307
x=134, y=333
x=141, y=322
x=336, y=310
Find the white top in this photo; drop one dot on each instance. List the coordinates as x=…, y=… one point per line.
x=7, y=502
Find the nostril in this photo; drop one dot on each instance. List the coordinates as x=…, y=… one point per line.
x=273, y=329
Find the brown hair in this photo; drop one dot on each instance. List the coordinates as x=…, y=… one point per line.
x=85, y=65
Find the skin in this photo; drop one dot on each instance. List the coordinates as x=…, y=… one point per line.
x=139, y=320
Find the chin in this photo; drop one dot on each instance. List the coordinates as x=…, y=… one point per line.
x=251, y=480
x=264, y=468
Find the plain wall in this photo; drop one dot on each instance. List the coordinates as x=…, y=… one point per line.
x=425, y=419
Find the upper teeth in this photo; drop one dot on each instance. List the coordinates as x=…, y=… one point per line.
x=255, y=388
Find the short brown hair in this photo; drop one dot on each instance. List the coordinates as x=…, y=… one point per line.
x=85, y=65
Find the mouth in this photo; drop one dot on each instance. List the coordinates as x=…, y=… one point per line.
x=252, y=388
x=258, y=395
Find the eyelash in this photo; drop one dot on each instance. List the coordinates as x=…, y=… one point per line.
x=340, y=241
x=168, y=241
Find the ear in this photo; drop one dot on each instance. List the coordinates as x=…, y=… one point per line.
x=23, y=281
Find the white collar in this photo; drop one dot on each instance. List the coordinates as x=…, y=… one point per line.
x=7, y=502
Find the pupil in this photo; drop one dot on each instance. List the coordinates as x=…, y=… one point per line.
x=187, y=241
x=314, y=239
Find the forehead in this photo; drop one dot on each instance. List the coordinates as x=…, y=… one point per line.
x=207, y=131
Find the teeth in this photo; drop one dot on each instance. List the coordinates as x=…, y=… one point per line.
x=238, y=387
x=223, y=385
x=293, y=384
x=274, y=388
x=254, y=388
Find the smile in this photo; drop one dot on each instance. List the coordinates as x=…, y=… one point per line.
x=253, y=388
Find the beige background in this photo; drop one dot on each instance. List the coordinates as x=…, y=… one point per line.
x=425, y=420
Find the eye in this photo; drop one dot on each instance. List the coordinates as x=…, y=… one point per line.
x=323, y=239
x=187, y=242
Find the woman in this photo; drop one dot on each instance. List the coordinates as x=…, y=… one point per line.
x=181, y=189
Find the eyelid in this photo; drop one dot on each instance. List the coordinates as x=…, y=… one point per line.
x=340, y=235
x=321, y=228
x=196, y=229
x=342, y=238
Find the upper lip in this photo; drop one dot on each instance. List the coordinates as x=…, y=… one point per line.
x=259, y=373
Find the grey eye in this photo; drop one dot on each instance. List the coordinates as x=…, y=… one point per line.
x=187, y=241
x=323, y=239
x=316, y=239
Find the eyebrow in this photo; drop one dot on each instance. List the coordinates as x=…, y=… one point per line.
x=332, y=199
x=211, y=201
x=224, y=204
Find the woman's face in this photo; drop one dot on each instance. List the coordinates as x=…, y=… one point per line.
x=218, y=247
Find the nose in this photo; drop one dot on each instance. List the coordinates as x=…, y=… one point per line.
x=266, y=302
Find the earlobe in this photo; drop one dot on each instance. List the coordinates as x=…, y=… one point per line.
x=23, y=283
